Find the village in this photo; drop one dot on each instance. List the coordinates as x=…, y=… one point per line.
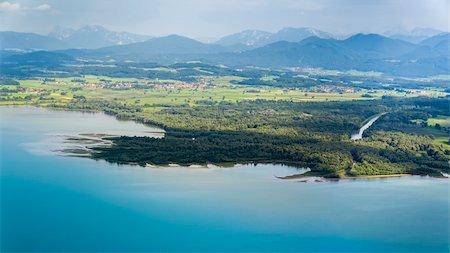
x=122, y=85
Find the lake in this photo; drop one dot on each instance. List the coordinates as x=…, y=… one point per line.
x=58, y=203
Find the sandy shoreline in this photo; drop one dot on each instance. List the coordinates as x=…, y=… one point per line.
x=309, y=179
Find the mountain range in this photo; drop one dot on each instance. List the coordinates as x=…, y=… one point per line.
x=87, y=37
x=95, y=36
x=365, y=52
x=290, y=47
x=257, y=38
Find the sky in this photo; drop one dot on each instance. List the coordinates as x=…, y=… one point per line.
x=204, y=19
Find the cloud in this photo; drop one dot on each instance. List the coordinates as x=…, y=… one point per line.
x=7, y=6
x=43, y=7
x=216, y=18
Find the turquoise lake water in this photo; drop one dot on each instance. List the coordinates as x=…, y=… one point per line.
x=60, y=204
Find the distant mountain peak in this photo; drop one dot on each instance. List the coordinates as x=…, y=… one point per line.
x=93, y=28
x=414, y=36
x=247, y=37
x=367, y=35
x=61, y=33
x=306, y=29
x=254, y=31
x=417, y=31
x=257, y=38
x=377, y=46
x=425, y=31
x=302, y=29
x=174, y=36
x=94, y=36
x=371, y=38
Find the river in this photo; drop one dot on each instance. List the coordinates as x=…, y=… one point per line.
x=359, y=135
x=57, y=203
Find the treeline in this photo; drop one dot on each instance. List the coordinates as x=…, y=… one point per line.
x=8, y=81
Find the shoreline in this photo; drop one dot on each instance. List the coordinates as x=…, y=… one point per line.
x=315, y=177
x=288, y=177
x=379, y=176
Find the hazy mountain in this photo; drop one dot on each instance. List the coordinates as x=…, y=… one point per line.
x=168, y=48
x=250, y=38
x=61, y=33
x=172, y=44
x=298, y=34
x=443, y=47
x=312, y=51
x=367, y=52
x=29, y=41
x=414, y=36
x=317, y=51
x=436, y=46
x=63, y=38
x=94, y=36
x=435, y=40
x=377, y=46
x=256, y=38
x=408, y=38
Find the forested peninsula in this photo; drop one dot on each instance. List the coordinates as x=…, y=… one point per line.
x=313, y=135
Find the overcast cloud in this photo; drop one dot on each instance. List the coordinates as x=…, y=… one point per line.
x=215, y=18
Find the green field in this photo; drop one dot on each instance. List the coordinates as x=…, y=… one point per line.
x=220, y=89
x=443, y=121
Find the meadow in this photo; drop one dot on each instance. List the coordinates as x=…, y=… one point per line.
x=142, y=91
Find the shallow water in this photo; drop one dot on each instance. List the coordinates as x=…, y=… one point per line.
x=55, y=203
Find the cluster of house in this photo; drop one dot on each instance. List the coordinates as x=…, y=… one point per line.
x=31, y=90
x=105, y=85
x=199, y=85
x=126, y=85
x=331, y=88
